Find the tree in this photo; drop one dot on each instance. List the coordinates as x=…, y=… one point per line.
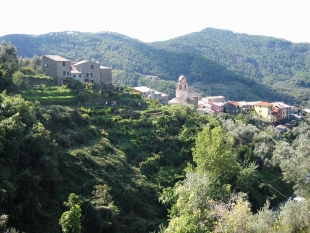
x=70, y=220
x=296, y=166
x=8, y=55
x=232, y=217
x=194, y=198
x=214, y=154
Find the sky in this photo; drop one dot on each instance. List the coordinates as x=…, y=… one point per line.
x=158, y=20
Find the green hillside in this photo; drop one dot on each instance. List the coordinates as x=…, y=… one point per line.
x=87, y=158
x=266, y=59
x=133, y=60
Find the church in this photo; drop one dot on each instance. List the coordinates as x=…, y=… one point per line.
x=182, y=95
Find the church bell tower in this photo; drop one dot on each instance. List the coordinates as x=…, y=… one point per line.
x=181, y=91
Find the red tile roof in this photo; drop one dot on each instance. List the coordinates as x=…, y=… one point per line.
x=266, y=104
x=235, y=103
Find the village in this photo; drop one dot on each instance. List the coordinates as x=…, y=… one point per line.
x=279, y=114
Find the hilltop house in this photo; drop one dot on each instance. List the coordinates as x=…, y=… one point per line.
x=61, y=69
x=182, y=95
x=147, y=92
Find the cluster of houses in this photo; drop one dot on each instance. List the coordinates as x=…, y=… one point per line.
x=275, y=112
x=62, y=69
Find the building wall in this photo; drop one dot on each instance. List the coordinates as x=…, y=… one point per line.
x=50, y=67
x=181, y=91
x=286, y=113
x=265, y=112
x=63, y=71
x=231, y=109
x=91, y=71
x=216, y=108
x=79, y=77
x=105, y=75
x=58, y=70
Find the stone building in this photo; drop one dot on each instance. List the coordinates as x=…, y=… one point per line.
x=105, y=75
x=90, y=71
x=182, y=95
x=61, y=69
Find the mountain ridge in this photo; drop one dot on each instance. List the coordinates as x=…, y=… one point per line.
x=248, y=77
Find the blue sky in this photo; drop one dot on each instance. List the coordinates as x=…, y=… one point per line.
x=156, y=20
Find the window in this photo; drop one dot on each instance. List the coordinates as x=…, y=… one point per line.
x=63, y=63
x=92, y=66
x=68, y=73
x=80, y=75
x=74, y=76
x=91, y=74
x=87, y=75
x=64, y=73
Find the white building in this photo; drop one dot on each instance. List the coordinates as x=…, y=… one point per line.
x=147, y=92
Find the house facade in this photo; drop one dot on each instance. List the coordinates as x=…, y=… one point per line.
x=90, y=71
x=232, y=108
x=283, y=110
x=265, y=110
x=105, y=75
x=61, y=69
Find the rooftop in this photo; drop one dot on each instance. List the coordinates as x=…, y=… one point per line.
x=261, y=103
x=56, y=58
x=142, y=89
x=105, y=67
x=280, y=105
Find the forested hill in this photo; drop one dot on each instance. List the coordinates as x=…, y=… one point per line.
x=132, y=60
x=267, y=59
x=122, y=53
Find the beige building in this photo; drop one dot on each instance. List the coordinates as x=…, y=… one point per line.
x=265, y=110
x=147, y=92
x=182, y=95
x=61, y=69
